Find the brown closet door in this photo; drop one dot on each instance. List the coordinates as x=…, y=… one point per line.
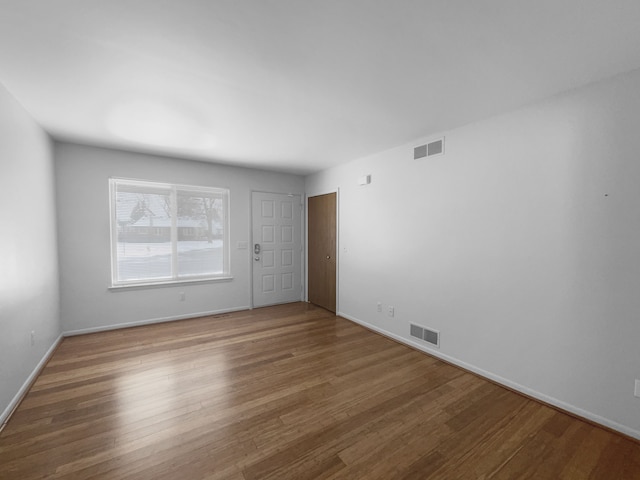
x=322, y=251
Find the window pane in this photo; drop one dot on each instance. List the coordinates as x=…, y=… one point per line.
x=200, y=234
x=144, y=234
x=164, y=233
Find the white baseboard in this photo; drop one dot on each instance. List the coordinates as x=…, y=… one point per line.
x=139, y=323
x=572, y=409
x=4, y=417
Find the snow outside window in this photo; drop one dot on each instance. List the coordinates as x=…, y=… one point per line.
x=164, y=233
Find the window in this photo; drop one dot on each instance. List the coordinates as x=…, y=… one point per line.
x=163, y=233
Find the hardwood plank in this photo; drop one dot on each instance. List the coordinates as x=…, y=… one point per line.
x=286, y=392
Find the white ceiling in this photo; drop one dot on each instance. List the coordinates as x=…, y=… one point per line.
x=297, y=85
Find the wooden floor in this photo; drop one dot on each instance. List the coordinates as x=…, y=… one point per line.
x=288, y=392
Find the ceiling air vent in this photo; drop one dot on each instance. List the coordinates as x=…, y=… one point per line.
x=431, y=149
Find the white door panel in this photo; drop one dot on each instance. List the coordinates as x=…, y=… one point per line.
x=276, y=248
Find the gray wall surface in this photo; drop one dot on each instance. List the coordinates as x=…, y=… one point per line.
x=521, y=245
x=29, y=298
x=82, y=175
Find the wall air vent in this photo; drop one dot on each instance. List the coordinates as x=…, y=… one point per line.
x=426, y=334
x=431, y=149
x=420, y=152
x=416, y=331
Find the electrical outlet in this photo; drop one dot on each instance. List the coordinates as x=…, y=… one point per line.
x=379, y=307
x=637, y=389
x=391, y=311
x=182, y=296
x=33, y=337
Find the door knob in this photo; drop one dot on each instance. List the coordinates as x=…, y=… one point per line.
x=328, y=257
x=257, y=259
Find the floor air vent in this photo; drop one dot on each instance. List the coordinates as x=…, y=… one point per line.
x=431, y=149
x=430, y=336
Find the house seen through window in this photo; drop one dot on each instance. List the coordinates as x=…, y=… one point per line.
x=167, y=233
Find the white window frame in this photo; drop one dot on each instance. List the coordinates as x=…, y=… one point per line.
x=173, y=190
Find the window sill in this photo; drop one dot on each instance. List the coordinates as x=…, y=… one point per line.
x=169, y=283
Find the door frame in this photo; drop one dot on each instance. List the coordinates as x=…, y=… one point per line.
x=303, y=240
x=306, y=243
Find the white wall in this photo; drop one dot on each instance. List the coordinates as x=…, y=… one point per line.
x=82, y=175
x=521, y=245
x=28, y=258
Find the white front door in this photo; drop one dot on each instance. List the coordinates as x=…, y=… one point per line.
x=276, y=248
